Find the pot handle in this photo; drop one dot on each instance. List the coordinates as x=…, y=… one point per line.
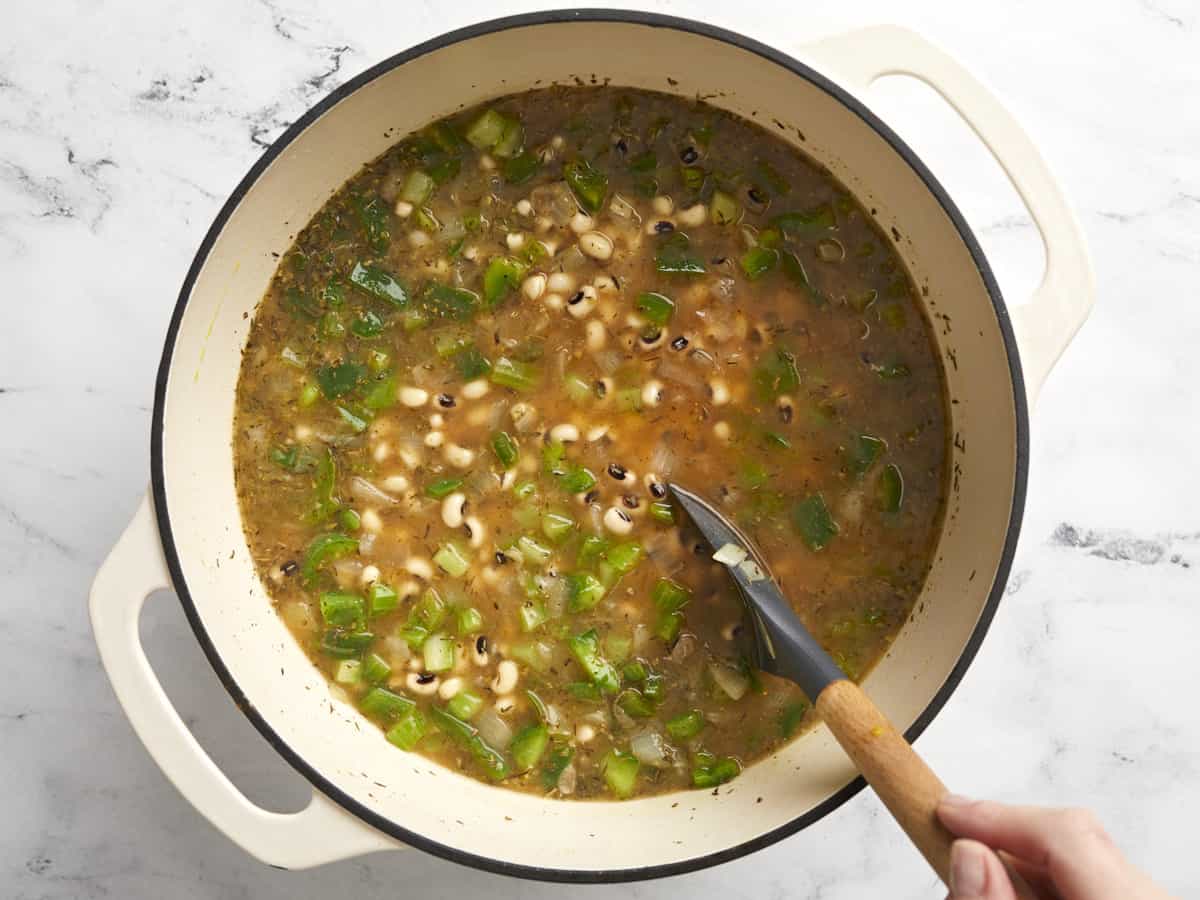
x=321, y=832
x=1060, y=305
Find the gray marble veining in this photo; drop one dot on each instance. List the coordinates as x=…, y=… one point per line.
x=124, y=125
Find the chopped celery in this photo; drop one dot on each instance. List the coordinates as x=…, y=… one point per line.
x=381, y=599
x=662, y=511
x=413, y=635
x=634, y=704
x=375, y=668
x=472, y=364
x=620, y=772
x=470, y=620
x=538, y=705
x=448, y=302
x=331, y=326
x=378, y=361
x=356, y=423
x=669, y=599
x=576, y=389
x=723, y=209
x=814, y=221
x=380, y=284
x=449, y=343
x=429, y=612
x=586, y=650
x=467, y=736
x=591, y=549
x=465, y=705
x=325, y=502
x=349, y=520
x=890, y=490
x=811, y=518
x=584, y=591
x=503, y=274
x=532, y=615
x=553, y=458
x=560, y=757
x=406, y=733
x=345, y=644
x=634, y=671
x=655, y=307
x=794, y=269
x=862, y=453
x=790, y=718
x=339, y=380
x=533, y=552
x=654, y=687
x=506, y=449
x=373, y=217
x=524, y=489
x=339, y=608
x=693, y=178
x=512, y=139
x=582, y=690
x=521, y=167
x=644, y=162
x=348, y=671
x=309, y=394
x=535, y=654
x=758, y=261
x=589, y=184
x=674, y=256
x=527, y=516
x=628, y=399
x=418, y=188
x=443, y=488
x=381, y=394
x=686, y=725
x=557, y=526
x=577, y=480
x=625, y=557
x=776, y=375
x=709, y=771
x=487, y=130
x=452, y=560
x=617, y=647
x=438, y=651
x=514, y=374
x=381, y=703
x=529, y=745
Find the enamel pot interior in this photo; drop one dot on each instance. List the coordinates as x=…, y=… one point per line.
x=269, y=675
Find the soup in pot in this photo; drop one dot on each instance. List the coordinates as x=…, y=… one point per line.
x=474, y=374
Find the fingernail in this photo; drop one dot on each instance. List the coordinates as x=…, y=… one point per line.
x=956, y=800
x=967, y=869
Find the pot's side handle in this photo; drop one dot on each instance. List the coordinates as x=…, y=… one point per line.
x=1061, y=303
x=321, y=832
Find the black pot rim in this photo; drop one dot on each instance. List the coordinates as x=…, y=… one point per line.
x=162, y=512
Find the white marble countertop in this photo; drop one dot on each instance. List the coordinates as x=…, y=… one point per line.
x=123, y=125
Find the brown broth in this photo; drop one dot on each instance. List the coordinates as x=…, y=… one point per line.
x=804, y=396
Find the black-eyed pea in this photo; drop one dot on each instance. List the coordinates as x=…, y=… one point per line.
x=452, y=509
x=423, y=684
x=597, y=245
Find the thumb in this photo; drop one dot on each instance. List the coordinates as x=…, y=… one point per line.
x=976, y=873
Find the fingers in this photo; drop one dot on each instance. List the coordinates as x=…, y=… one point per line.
x=976, y=873
x=1068, y=844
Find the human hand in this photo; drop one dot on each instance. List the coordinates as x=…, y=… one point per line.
x=1064, y=854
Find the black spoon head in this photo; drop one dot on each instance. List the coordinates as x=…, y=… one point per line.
x=782, y=645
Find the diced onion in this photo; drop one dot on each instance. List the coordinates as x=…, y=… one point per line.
x=650, y=748
x=730, y=554
x=493, y=729
x=730, y=680
x=751, y=570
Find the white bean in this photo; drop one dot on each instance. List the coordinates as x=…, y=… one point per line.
x=381, y=451
x=450, y=688
x=437, y=420
x=561, y=282
x=422, y=685
x=473, y=390
x=543, y=224
x=617, y=520
x=505, y=705
x=419, y=566
x=719, y=391
x=597, y=245
x=418, y=238
x=722, y=430
x=693, y=216
x=411, y=457
x=524, y=208
x=662, y=205
x=479, y=657
x=604, y=284
x=434, y=439
x=596, y=432
x=404, y=209
x=581, y=222
x=475, y=531
x=452, y=509
x=534, y=286
x=396, y=484
x=486, y=162
x=413, y=396
x=554, y=301
x=584, y=732
x=370, y=574
x=459, y=456
x=565, y=433
x=370, y=521
x=582, y=302
x=507, y=675
x=652, y=392
x=597, y=335
x=515, y=240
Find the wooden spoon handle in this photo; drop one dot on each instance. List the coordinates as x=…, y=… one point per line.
x=901, y=779
x=907, y=787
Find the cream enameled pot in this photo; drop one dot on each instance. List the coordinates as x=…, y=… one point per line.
x=188, y=533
